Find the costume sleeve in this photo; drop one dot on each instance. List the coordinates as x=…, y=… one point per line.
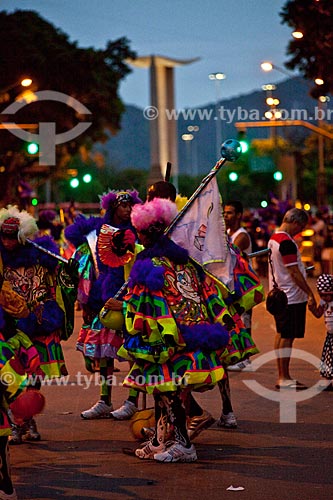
x=12, y=302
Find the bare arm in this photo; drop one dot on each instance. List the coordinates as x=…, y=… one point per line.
x=300, y=281
x=318, y=311
x=242, y=241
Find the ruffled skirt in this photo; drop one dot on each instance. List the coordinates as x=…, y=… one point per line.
x=97, y=342
x=196, y=371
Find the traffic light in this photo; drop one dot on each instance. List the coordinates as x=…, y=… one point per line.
x=241, y=137
x=233, y=176
x=87, y=178
x=32, y=148
x=74, y=183
x=34, y=202
x=278, y=176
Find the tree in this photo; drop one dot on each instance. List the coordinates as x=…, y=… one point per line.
x=312, y=54
x=31, y=46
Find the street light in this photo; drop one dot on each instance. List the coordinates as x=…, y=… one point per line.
x=24, y=82
x=269, y=66
x=217, y=77
x=187, y=138
x=194, y=129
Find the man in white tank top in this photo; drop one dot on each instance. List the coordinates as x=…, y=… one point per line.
x=233, y=213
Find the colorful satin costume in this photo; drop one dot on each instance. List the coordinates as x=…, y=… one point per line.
x=180, y=331
x=98, y=282
x=35, y=276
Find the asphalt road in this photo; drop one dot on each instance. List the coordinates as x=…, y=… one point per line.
x=280, y=451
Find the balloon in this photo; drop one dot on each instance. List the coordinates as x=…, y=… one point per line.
x=141, y=419
x=27, y=404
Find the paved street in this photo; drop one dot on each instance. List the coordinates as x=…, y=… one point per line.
x=271, y=460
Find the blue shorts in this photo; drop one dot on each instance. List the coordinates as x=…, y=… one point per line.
x=291, y=325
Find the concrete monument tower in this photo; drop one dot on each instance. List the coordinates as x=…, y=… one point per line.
x=163, y=128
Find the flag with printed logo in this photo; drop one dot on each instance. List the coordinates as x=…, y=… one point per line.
x=201, y=230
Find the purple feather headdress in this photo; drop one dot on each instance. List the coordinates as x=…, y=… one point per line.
x=112, y=197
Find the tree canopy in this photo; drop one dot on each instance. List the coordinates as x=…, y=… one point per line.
x=31, y=46
x=312, y=54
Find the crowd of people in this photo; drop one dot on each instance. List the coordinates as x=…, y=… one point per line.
x=146, y=301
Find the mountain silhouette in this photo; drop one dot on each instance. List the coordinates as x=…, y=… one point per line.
x=130, y=148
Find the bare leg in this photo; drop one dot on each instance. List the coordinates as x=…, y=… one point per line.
x=283, y=362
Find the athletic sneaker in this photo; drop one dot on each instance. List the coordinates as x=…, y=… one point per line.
x=16, y=436
x=177, y=453
x=244, y=365
x=99, y=410
x=227, y=421
x=148, y=451
x=30, y=431
x=7, y=496
x=197, y=424
x=125, y=412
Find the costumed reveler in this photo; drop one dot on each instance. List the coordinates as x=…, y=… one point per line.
x=175, y=330
x=98, y=282
x=19, y=359
x=49, y=290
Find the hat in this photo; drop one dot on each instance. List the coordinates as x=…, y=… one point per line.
x=156, y=214
x=10, y=226
x=15, y=222
x=325, y=283
x=113, y=198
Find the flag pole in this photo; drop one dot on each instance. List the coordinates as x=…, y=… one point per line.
x=230, y=151
x=48, y=252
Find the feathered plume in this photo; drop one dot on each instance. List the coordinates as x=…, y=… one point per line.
x=27, y=224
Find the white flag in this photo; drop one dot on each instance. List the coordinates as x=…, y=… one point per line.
x=201, y=230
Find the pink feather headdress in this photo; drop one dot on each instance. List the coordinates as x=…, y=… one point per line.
x=158, y=211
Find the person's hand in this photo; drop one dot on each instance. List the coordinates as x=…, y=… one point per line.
x=123, y=241
x=72, y=267
x=114, y=304
x=312, y=304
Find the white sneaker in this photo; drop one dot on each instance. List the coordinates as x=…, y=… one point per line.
x=148, y=451
x=177, y=453
x=125, y=412
x=99, y=410
x=227, y=421
x=7, y=496
x=244, y=365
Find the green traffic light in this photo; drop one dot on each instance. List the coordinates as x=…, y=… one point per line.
x=34, y=202
x=233, y=176
x=244, y=146
x=32, y=148
x=87, y=178
x=74, y=183
x=278, y=176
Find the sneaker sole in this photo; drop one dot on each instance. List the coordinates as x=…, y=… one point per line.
x=200, y=428
x=180, y=459
x=94, y=418
x=226, y=426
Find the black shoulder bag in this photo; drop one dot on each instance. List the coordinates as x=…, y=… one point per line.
x=276, y=300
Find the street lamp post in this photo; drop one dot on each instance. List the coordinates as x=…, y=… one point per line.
x=188, y=138
x=193, y=129
x=24, y=82
x=217, y=77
